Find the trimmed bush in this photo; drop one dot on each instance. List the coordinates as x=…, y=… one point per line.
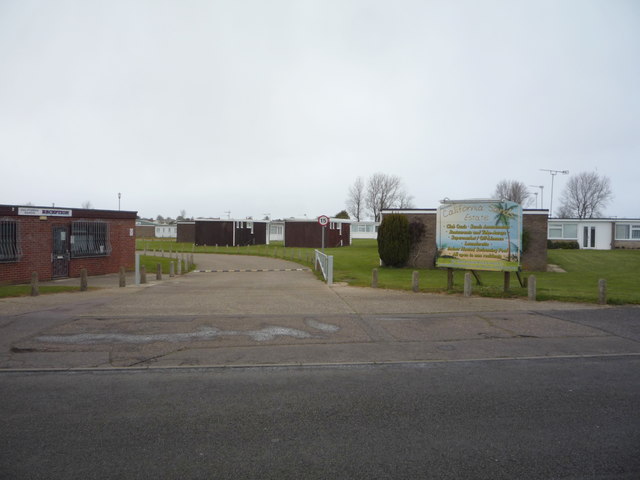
x=564, y=244
x=394, y=240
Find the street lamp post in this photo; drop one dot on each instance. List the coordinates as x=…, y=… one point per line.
x=119, y=195
x=541, y=187
x=553, y=175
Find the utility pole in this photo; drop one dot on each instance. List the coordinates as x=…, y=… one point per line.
x=553, y=175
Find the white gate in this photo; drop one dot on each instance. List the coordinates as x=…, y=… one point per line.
x=326, y=265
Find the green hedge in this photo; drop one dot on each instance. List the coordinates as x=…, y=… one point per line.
x=394, y=240
x=564, y=244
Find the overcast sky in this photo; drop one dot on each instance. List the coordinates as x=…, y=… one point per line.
x=255, y=107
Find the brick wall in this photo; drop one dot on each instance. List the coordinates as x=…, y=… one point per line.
x=535, y=258
x=35, y=239
x=423, y=255
x=631, y=244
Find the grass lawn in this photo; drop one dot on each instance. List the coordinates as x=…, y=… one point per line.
x=25, y=290
x=354, y=264
x=151, y=262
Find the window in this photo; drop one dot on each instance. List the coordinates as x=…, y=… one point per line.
x=9, y=246
x=555, y=231
x=627, y=231
x=566, y=231
x=622, y=232
x=90, y=239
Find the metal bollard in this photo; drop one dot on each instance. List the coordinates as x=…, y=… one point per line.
x=172, y=269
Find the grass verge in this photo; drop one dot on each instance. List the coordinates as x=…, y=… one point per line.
x=354, y=264
x=25, y=290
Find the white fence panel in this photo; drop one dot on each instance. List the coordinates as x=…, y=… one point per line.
x=326, y=265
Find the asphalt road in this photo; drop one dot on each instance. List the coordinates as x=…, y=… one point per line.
x=562, y=418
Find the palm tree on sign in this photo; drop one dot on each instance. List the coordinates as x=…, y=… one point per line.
x=504, y=214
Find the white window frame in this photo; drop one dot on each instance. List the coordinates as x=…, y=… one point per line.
x=633, y=231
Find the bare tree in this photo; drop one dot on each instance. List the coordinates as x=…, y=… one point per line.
x=513, y=191
x=585, y=195
x=405, y=200
x=385, y=191
x=355, y=200
x=86, y=204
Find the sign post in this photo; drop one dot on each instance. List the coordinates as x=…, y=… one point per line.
x=323, y=220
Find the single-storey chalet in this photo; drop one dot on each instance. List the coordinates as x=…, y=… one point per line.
x=58, y=242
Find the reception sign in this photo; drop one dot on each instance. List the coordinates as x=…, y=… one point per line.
x=479, y=235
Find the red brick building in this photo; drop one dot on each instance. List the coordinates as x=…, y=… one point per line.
x=59, y=242
x=308, y=233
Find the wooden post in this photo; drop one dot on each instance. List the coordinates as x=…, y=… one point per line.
x=35, y=285
x=122, y=277
x=415, y=281
x=602, y=291
x=179, y=267
x=374, y=278
x=467, y=284
x=158, y=271
x=143, y=274
x=532, y=288
x=449, y=278
x=507, y=281
x=84, y=283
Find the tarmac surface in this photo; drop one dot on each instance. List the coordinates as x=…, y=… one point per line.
x=284, y=315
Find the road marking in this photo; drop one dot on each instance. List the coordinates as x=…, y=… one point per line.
x=254, y=270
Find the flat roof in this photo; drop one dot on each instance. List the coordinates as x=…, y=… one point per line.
x=52, y=211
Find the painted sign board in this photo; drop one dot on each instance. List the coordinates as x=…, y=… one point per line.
x=44, y=212
x=479, y=235
x=323, y=220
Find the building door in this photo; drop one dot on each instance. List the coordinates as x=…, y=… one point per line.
x=588, y=236
x=60, y=256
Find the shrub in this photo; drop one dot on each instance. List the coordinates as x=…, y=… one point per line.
x=564, y=244
x=393, y=240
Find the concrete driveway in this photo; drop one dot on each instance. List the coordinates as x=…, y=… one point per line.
x=282, y=314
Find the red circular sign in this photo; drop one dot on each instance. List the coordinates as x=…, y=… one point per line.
x=323, y=220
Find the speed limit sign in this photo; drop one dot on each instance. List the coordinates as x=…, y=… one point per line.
x=323, y=220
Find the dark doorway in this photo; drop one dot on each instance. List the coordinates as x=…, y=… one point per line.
x=60, y=257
